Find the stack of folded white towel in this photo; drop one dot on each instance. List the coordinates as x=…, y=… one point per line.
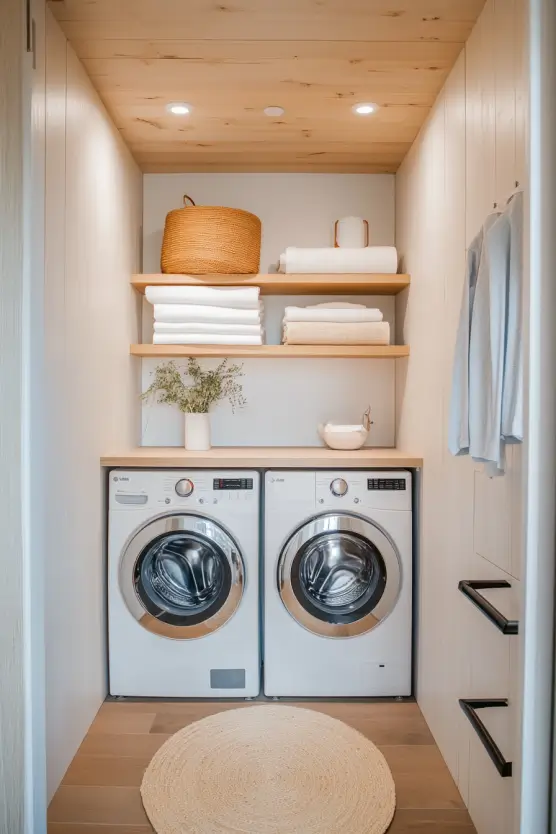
x=335, y=323
x=206, y=315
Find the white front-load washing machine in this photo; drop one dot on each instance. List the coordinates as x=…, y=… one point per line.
x=183, y=583
x=338, y=584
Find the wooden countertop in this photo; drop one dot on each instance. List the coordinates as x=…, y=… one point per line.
x=297, y=457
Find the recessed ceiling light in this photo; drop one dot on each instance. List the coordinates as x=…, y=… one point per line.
x=178, y=108
x=365, y=109
x=274, y=111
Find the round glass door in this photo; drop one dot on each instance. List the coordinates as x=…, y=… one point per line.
x=339, y=576
x=182, y=576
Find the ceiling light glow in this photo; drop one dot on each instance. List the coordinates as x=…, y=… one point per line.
x=178, y=108
x=365, y=109
x=274, y=111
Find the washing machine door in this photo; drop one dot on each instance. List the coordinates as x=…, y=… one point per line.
x=339, y=575
x=182, y=576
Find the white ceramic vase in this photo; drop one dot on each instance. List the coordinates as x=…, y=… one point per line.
x=197, y=432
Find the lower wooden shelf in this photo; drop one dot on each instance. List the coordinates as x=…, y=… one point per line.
x=274, y=351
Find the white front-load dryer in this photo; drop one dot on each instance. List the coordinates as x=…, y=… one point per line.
x=183, y=577
x=338, y=584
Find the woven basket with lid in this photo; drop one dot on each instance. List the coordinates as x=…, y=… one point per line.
x=201, y=240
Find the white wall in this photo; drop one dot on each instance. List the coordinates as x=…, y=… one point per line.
x=93, y=220
x=12, y=650
x=468, y=156
x=285, y=402
x=286, y=398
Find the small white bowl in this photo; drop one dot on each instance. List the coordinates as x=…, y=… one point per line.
x=344, y=438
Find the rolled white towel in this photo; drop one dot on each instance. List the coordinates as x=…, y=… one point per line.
x=220, y=329
x=332, y=314
x=209, y=315
x=371, y=259
x=246, y=298
x=204, y=339
x=334, y=333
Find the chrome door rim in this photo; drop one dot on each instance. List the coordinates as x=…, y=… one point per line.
x=177, y=523
x=340, y=523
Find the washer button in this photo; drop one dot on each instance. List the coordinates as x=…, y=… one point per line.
x=339, y=487
x=184, y=488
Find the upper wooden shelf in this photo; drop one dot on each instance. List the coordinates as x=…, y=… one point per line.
x=278, y=284
x=274, y=351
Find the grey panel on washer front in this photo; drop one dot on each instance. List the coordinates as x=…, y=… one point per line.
x=227, y=678
x=131, y=499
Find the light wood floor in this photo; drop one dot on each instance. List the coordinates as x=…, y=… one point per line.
x=100, y=792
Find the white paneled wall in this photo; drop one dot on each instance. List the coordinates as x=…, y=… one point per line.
x=12, y=648
x=93, y=220
x=468, y=157
x=286, y=398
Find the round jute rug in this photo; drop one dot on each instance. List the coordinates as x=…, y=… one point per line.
x=269, y=770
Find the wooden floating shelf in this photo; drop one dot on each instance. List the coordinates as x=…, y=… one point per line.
x=273, y=351
x=296, y=457
x=278, y=284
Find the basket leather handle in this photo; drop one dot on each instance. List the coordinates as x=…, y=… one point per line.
x=186, y=197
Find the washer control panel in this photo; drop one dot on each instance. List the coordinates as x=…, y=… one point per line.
x=360, y=491
x=168, y=490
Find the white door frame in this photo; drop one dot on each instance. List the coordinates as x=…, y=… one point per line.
x=33, y=417
x=541, y=397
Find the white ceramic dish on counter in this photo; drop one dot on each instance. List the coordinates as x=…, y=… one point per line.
x=346, y=437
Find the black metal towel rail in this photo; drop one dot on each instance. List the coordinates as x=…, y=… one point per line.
x=469, y=706
x=471, y=587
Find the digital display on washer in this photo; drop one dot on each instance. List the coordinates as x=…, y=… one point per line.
x=386, y=483
x=232, y=483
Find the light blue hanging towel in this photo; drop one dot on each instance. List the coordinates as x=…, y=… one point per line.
x=512, y=395
x=458, y=430
x=487, y=394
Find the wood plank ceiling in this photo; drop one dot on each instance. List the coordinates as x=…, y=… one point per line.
x=229, y=59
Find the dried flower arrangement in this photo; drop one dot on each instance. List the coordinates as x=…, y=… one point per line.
x=207, y=389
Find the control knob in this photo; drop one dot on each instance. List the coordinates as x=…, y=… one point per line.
x=184, y=488
x=339, y=487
